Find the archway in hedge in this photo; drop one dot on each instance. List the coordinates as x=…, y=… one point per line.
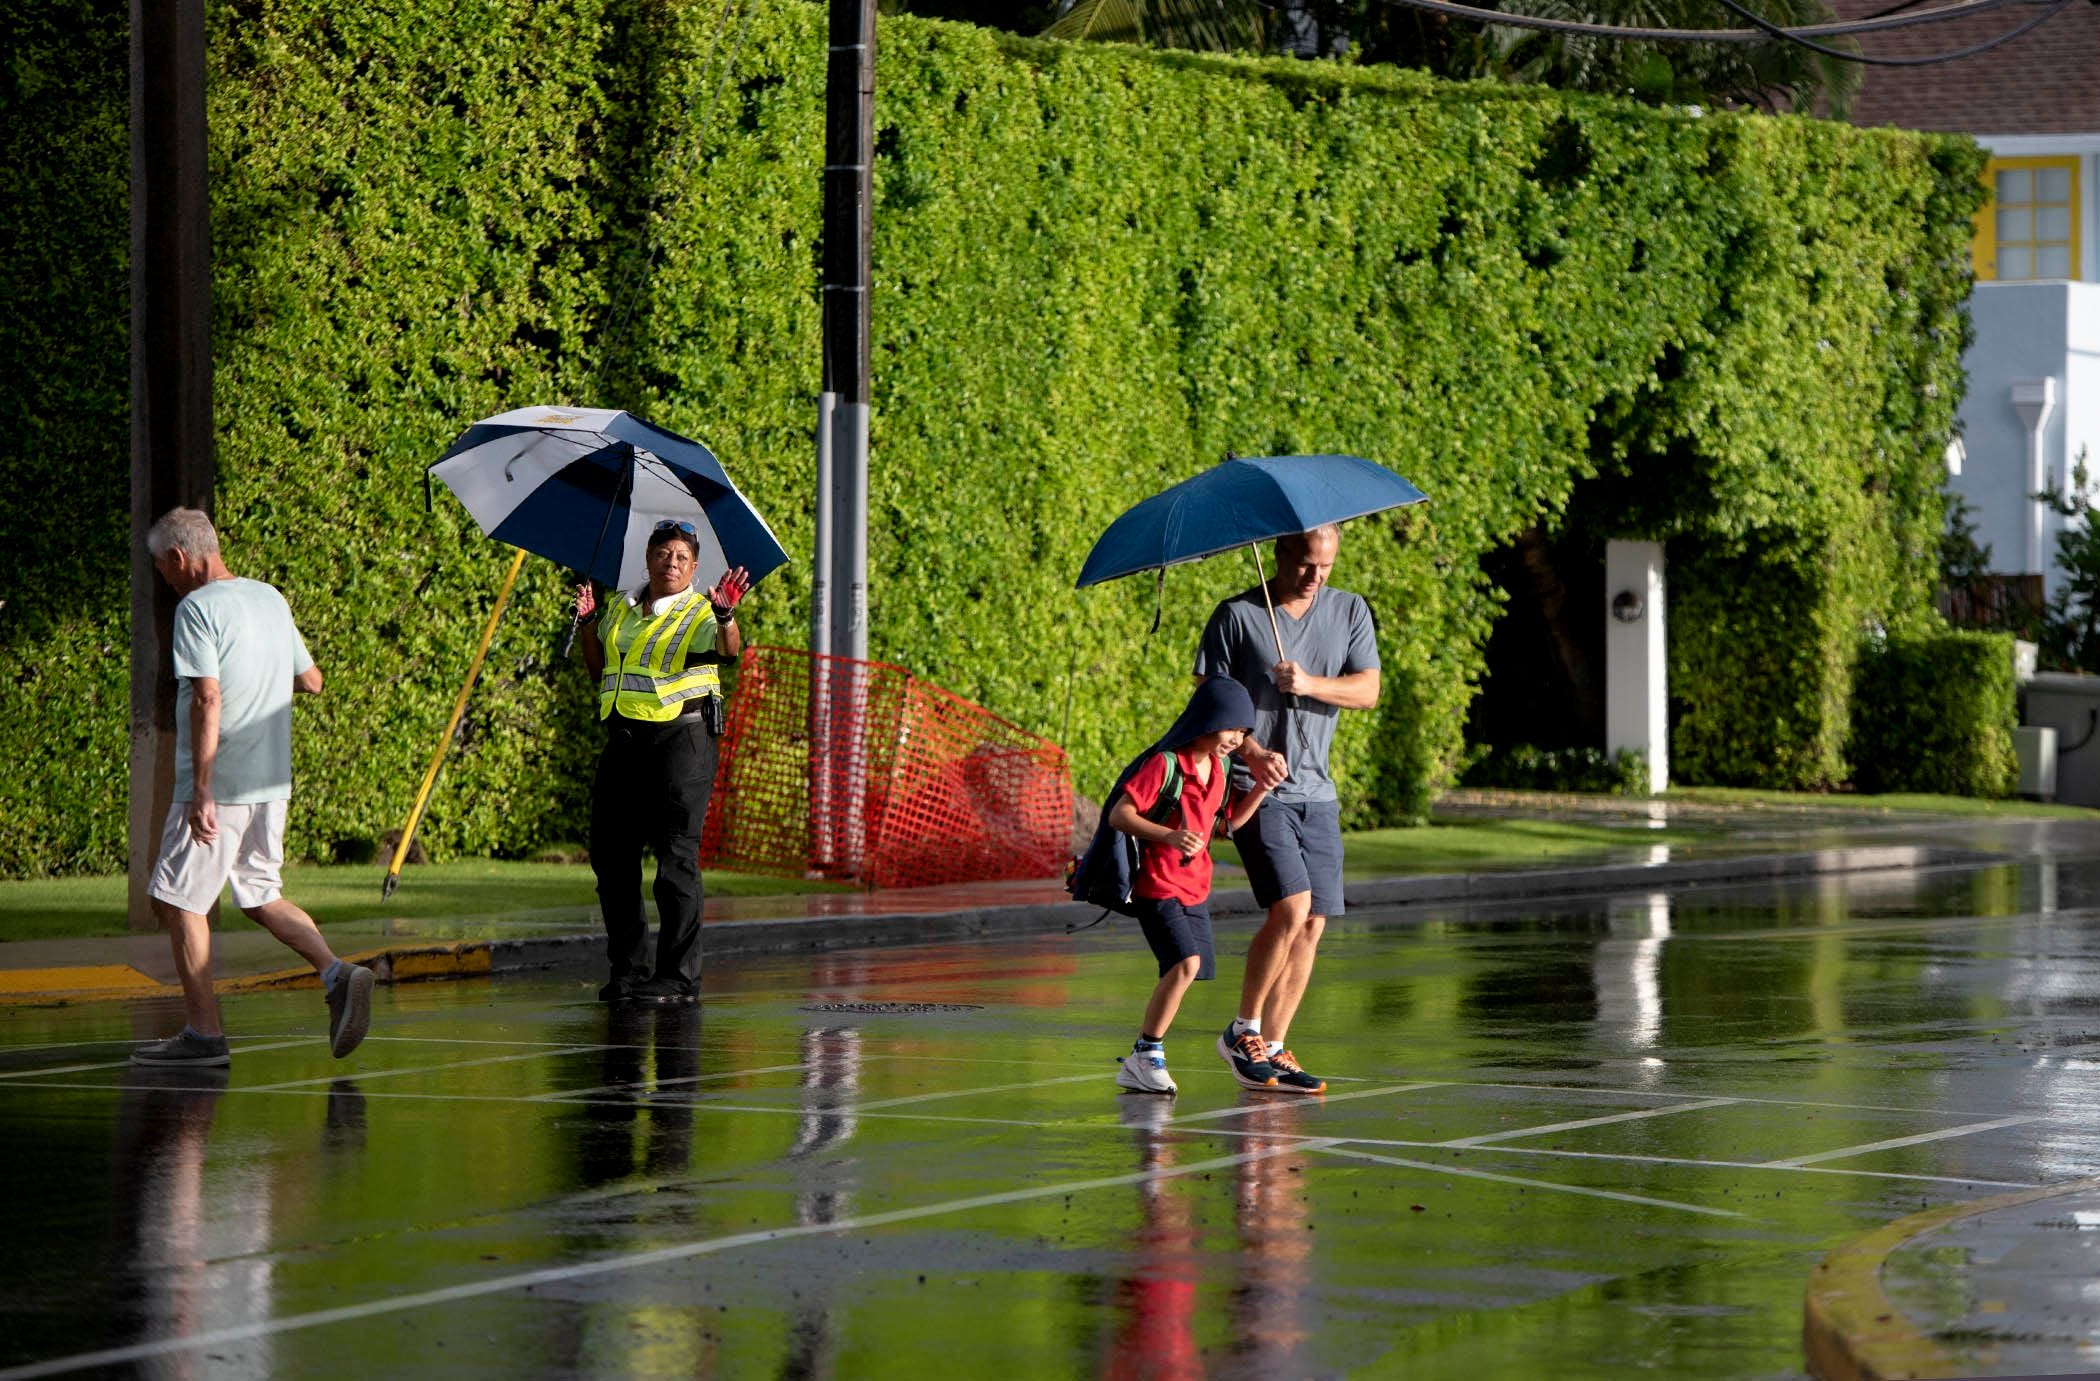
x=1544, y=684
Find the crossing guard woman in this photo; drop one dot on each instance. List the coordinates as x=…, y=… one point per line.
x=656, y=656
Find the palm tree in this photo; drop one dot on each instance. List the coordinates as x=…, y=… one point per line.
x=1774, y=75
x=1770, y=75
x=1205, y=26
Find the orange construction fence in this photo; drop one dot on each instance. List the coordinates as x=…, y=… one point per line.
x=830, y=767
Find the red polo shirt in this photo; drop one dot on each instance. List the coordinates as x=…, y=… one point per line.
x=1162, y=871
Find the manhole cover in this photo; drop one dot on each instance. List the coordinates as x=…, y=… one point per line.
x=893, y=1008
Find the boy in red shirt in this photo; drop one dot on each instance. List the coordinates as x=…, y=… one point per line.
x=1171, y=892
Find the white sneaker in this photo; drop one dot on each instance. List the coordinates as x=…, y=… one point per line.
x=1145, y=1071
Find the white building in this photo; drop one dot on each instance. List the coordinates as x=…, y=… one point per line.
x=2034, y=370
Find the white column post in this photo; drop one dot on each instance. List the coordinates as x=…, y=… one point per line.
x=2033, y=400
x=1636, y=677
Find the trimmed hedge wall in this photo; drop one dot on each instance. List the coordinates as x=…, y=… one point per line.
x=1097, y=269
x=1936, y=712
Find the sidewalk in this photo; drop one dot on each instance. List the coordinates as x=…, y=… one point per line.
x=49, y=972
x=1998, y=1287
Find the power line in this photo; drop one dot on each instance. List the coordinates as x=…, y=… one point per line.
x=1794, y=37
x=1899, y=7
x=1839, y=29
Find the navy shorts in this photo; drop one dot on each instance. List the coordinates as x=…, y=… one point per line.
x=1176, y=930
x=1291, y=847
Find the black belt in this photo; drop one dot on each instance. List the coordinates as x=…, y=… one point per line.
x=694, y=709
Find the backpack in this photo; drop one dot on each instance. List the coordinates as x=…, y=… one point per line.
x=1104, y=875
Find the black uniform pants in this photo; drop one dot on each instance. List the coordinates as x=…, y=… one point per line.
x=650, y=794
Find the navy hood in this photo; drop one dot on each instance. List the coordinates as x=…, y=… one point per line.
x=1219, y=703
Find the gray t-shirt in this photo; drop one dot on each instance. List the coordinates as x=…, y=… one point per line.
x=1336, y=637
x=240, y=633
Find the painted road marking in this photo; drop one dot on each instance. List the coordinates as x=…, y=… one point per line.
x=1464, y=1173
x=126, y=1063
x=1078, y=1124
x=555, y=1275
x=1300, y=1100
x=965, y=1093
x=6, y=1050
x=1748, y=1098
x=1674, y=1160
x=652, y=1085
x=1966, y=1129
x=1588, y=1122
x=81, y=978
x=364, y=1074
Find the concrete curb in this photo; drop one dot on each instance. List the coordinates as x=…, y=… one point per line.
x=108, y=982
x=418, y=961
x=835, y=932
x=1851, y=1331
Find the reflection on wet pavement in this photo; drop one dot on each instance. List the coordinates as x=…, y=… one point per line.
x=1572, y=1139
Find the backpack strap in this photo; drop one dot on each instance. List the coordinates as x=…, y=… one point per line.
x=1106, y=912
x=1169, y=799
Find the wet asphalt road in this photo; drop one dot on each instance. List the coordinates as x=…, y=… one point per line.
x=1573, y=1140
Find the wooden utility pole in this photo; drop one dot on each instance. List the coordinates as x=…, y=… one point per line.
x=838, y=621
x=171, y=419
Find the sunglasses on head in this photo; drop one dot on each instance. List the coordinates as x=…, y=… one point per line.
x=675, y=525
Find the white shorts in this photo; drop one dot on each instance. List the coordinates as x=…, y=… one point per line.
x=249, y=853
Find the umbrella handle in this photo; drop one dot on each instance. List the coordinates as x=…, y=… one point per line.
x=568, y=638
x=1275, y=629
x=1290, y=702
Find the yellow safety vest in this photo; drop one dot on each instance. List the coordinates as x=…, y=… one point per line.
x=646, y=676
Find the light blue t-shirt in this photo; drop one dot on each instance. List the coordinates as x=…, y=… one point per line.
x=240, y=633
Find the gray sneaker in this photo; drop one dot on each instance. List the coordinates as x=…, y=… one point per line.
x=185, y=1049
x=349, y=1009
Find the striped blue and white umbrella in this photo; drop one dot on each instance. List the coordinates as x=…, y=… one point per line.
x=585, y=487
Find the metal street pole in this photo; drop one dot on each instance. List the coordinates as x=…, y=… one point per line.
x=849, y=152
x=171, y=421
x=839, y=597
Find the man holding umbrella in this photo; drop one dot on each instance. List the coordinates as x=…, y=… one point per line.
x=1327, y=662
x=1305, y=653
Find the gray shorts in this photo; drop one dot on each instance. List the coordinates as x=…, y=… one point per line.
x=1291, y=847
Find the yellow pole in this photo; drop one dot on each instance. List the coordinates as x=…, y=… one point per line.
x=459, y=707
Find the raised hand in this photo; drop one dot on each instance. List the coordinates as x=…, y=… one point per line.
x=586, y=600
x=735, y=584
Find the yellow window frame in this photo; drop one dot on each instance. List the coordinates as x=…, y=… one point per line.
x=1985, y=249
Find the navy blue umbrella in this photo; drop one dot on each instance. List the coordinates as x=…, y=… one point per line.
x=1241, y=501
x=584, y=487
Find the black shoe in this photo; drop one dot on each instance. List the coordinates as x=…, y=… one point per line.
x=184, y=1050
x=621, y=990
x=666, y=990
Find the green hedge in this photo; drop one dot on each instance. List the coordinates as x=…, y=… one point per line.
x=1097, y=270
x=1936, y=712
x=1526, y=767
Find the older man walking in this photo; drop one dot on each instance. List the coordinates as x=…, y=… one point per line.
x=1292, y=848
x=238, y=658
